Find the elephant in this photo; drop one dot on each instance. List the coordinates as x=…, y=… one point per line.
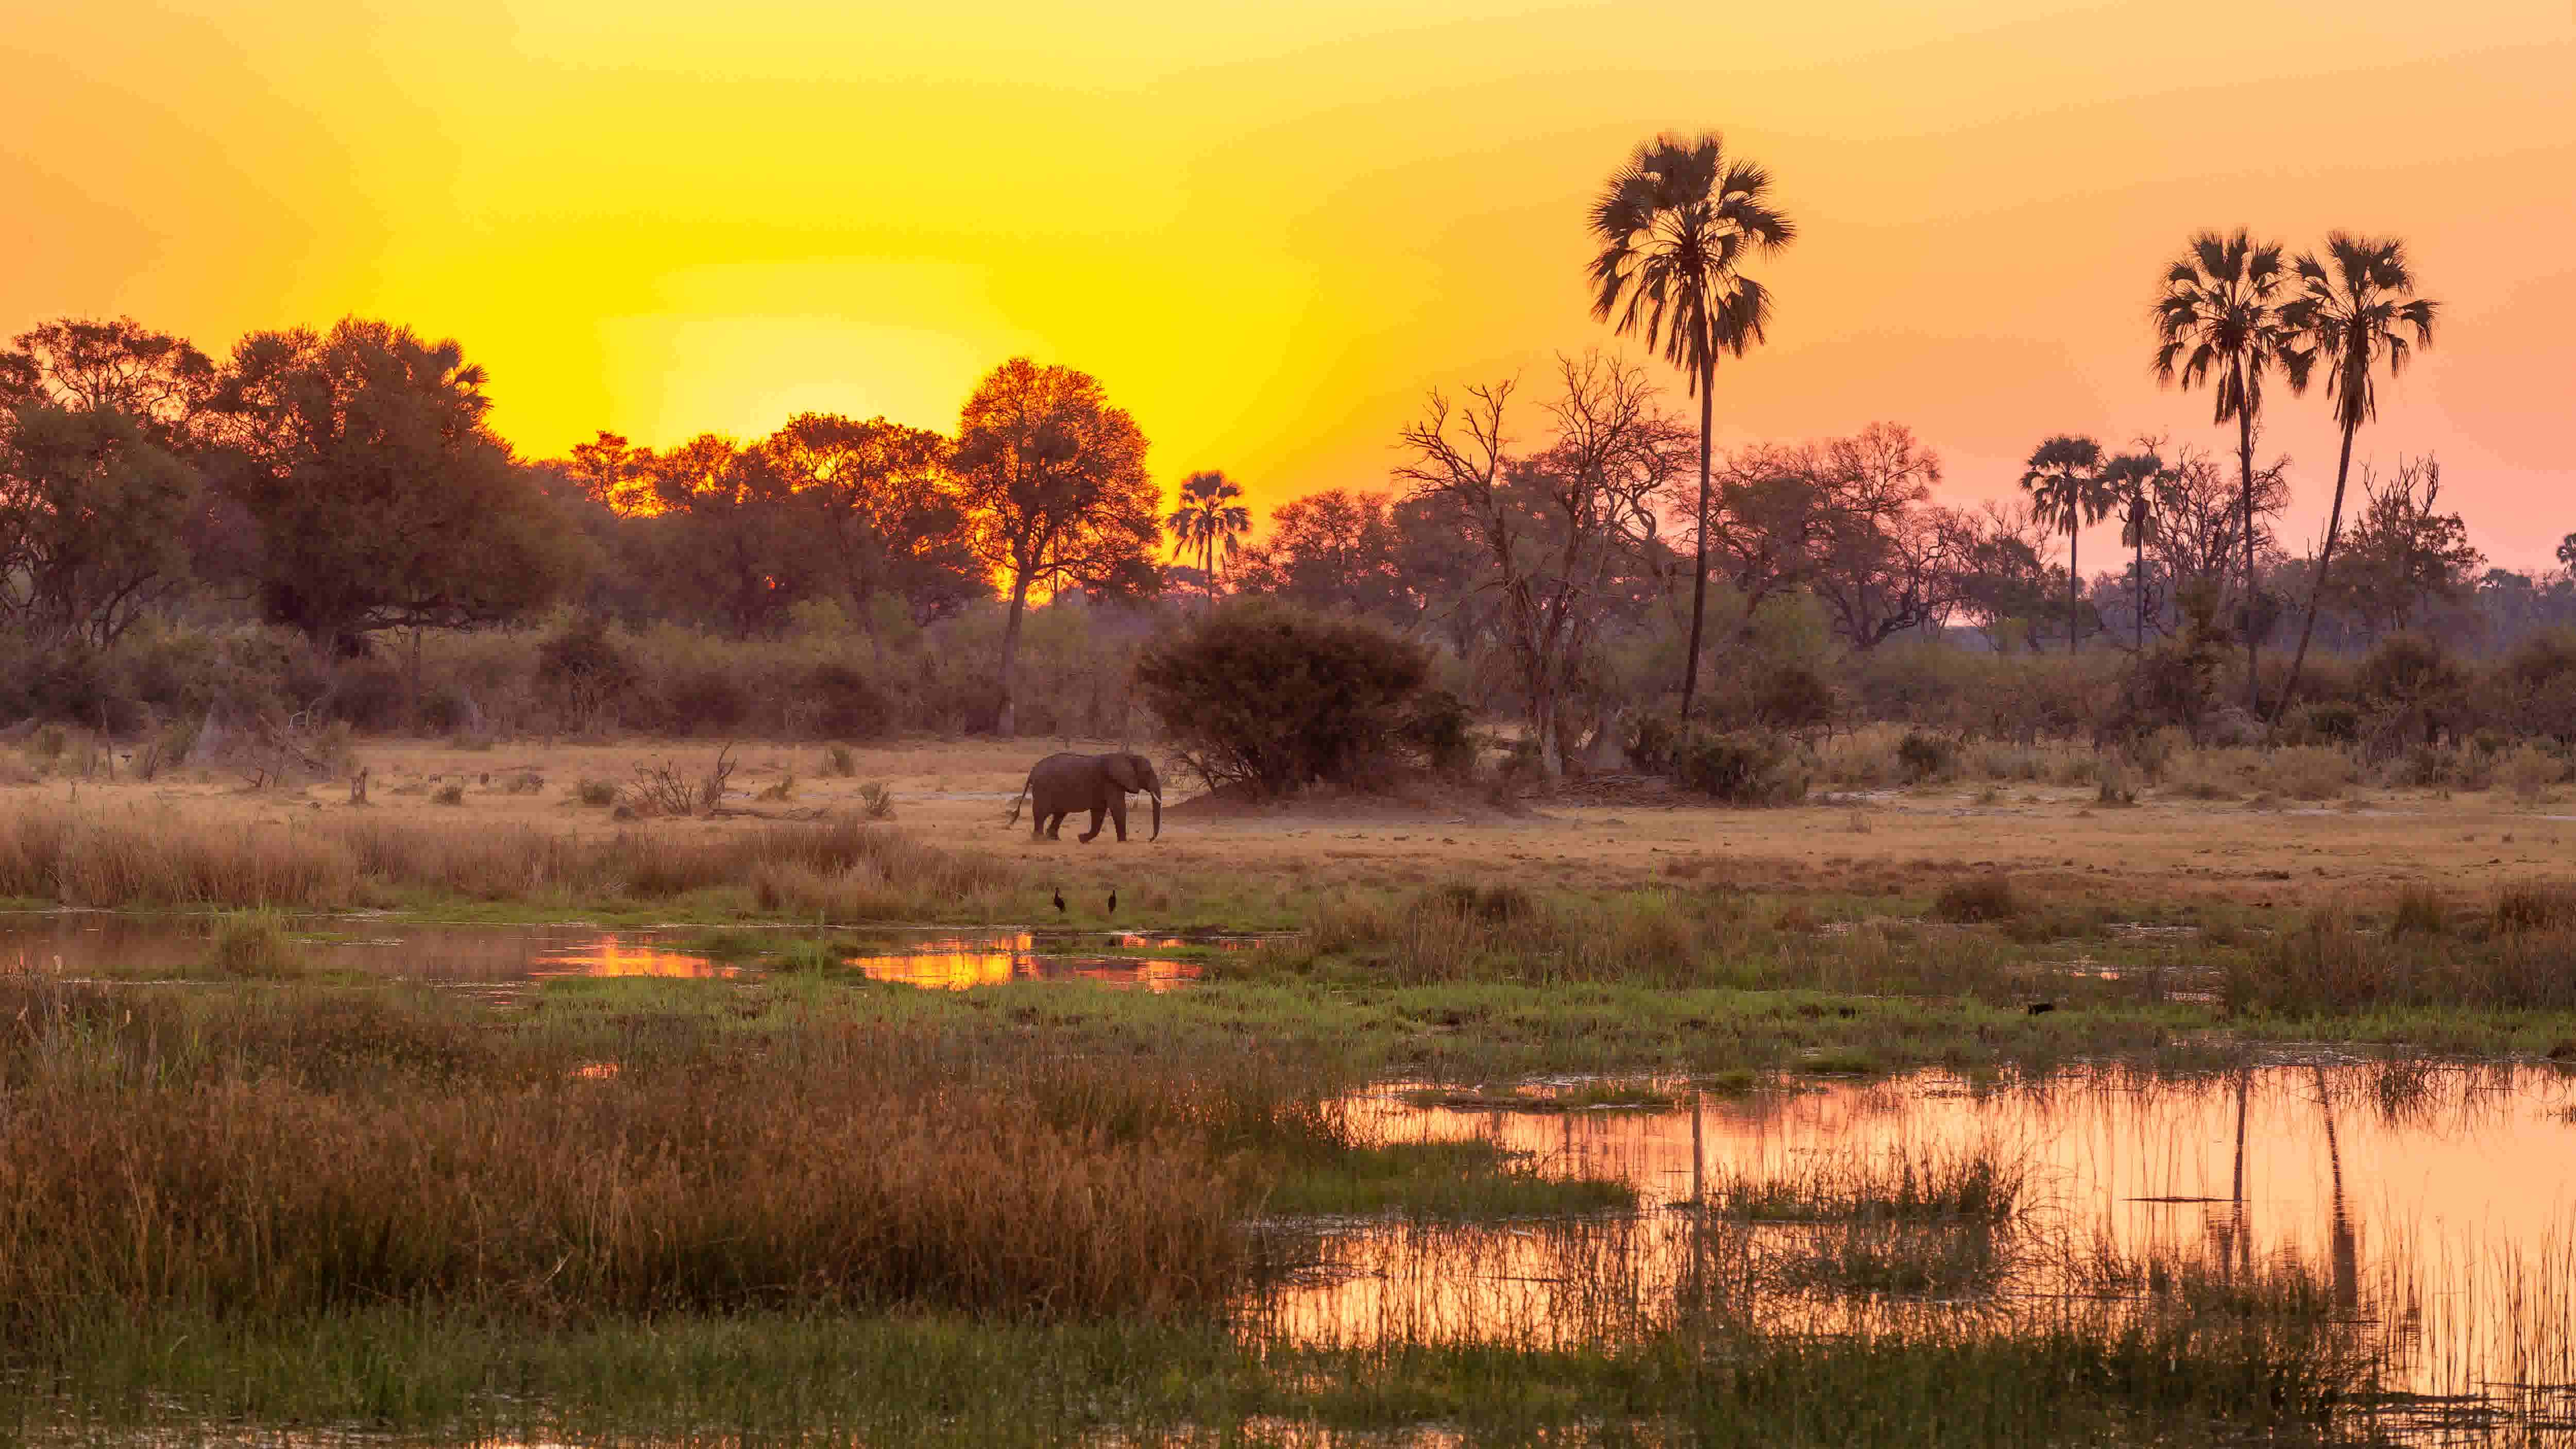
x=1061, y=784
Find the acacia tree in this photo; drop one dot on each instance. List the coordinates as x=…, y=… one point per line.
x=884, y=509
x=2219, y=321
x=99, y=423
x=1674, y=226
x=381, y=497
x=728, y=531
x=91, y=517
x=1210, y=521
x=2064, y=480
x=1052, y=480
x=2353, y=312
x=1551, y=526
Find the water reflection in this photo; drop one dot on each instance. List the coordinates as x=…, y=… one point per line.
x=958, y=962
x=130, y=948
x=2430, y=1210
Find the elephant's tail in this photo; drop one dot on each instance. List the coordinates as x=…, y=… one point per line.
x=1021, y=798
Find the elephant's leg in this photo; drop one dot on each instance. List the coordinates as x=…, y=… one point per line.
x=1055, y=823
x=1118, y=813
x=1095, y=825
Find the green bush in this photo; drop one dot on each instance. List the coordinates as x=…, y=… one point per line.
x=1741, y=767
x=1271, y=696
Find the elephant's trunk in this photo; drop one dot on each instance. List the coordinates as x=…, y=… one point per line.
x=1158, y=816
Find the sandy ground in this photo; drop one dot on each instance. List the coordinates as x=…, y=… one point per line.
x=958, y=794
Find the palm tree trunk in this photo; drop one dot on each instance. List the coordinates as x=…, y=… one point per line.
x=2317, y=585
x=1699, y=563
x=2138, y=570
x=2245, y=471
x=2074, y=526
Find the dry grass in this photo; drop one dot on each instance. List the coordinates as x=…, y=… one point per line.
x=275, y=1158
x=1976, y=899
x=836, y=869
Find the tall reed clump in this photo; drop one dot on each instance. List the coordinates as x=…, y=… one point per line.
x=2323, y=964
x=256, y=943
x=871, y=1172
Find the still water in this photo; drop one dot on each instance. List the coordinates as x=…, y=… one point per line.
x=2432, y=1208
x=83, y=944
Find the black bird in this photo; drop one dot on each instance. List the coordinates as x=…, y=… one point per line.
x=1059, y=898
x=1113, y=900
x=2042, y=1008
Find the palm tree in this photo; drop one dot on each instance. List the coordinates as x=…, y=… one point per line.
x=2354, y=308
x=2064, y=479
x=2130, y=478
x=1208, y=520
x=1674, y=225
x=2220, y=319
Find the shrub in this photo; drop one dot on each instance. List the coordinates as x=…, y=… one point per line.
x=1742, y=767
x=2534, y=906
x=1651, y=742
x=840, y=761
x=597, y=793
x=876, y=801
x=448, y=794
x=1437, y=728
x=1264, y=694
x=2533, y=693
x=1976, y=899
x=2419, y=912
x=2530, y=771
x=2307, y=772
x=846, y=702
x=1925, y=756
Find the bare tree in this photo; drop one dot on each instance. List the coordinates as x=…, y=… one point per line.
x=1553, y=526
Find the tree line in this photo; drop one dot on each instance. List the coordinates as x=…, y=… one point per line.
x=1575, y=547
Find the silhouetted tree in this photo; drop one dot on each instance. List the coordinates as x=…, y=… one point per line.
x=885, y=509
x=381, y=497
x=1210, y=521
x=2064, y=480
x=2404, y=554
x=1674, y=226
x=1053, y=483
x=2219, y=321
x=2354, y=310
x=727, y=531
x=92, y=510
x=1551, y=526
x=2136, y=480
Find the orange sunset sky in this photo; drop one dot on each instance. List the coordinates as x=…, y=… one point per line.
x=1268, y=228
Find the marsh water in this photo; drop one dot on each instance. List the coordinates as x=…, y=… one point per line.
x=2428, y=1210
x=89, y=943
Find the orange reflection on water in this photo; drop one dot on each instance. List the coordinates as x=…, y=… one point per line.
x=2438, y=1204
x=957, y=963
x=613, y=956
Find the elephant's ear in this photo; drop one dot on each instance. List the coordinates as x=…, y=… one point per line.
x=1122, y=772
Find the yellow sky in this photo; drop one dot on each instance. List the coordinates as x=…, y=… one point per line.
x=1268, y=229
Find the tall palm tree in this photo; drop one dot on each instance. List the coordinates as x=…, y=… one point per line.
x=1210, y=521
x=2064, y=479
x=1674, y=226
x=2219, y=321
x=2132, y=478
x=2354, y=309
